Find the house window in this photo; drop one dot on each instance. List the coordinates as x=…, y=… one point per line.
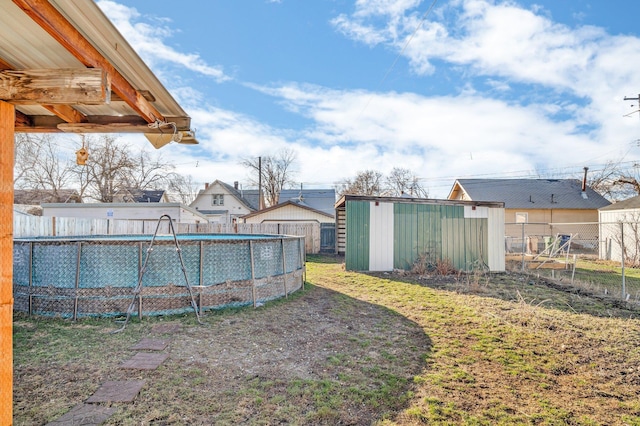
x=217, y=200
x=522, y=217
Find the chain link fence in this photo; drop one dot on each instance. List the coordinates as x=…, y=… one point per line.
x=598, y=257
x=79, y=276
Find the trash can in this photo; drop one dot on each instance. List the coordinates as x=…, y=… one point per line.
x=564, y=239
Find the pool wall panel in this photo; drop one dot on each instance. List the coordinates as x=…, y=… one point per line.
x=82, y=277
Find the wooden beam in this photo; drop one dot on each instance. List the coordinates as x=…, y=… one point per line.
x=55, y=86
x=54, y=23
x=144, y=93
x=94, y=123
x=7, y=118
x=22, y=120
x=5, y=65
x=100, y=126
x=67, y=113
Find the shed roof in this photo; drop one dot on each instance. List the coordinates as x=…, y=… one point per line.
x=532, y=193
x=629, y=203
x=433, y=201
x=63, y=35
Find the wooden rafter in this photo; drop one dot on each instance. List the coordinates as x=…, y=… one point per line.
x=22, y=121
x=54, y=23
x=67, y=113
x=5, y=65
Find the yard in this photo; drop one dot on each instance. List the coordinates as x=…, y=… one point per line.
x=355, y=349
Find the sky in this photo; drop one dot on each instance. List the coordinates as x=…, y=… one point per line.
x=447, y=89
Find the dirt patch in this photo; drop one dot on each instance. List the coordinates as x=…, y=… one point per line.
x=317, y=358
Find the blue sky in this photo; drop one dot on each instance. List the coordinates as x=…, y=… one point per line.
x=474, y=88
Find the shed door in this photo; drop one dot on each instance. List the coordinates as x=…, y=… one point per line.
x=381, y=236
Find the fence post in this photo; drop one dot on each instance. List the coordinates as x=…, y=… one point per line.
x=523, y=247
x=284, y=268
x=622, y=248
x=253, y=274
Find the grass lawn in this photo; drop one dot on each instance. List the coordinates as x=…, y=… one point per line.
x=357, y=349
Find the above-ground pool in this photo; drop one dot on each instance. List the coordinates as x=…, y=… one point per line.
x=97, y=276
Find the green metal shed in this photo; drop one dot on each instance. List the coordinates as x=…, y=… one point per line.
x=386, y=233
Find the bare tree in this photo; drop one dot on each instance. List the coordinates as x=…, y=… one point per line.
x=403, y=181
x=38, y=165
x=368, y=182
x=109, y=168
x=277, y=173
x=183, y=188
x=149, y=172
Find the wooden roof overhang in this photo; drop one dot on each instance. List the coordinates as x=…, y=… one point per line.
x=66, y=68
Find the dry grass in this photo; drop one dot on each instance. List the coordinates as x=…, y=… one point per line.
x=357, y=349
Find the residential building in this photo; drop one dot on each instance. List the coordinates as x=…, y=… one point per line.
x=223, y=203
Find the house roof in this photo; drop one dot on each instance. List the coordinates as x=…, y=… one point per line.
x=110, y=89
x=532, y=193
x=285, y=204
x=322, y=200
x=136, y=195
x=629, y=203
x=39, y=196
x=248, y=197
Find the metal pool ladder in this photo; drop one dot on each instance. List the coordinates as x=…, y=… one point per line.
x=138, y=288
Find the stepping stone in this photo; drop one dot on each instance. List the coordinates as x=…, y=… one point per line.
x=166, y=328
x=117, y=391
x=84, y=415
x=144, y=361
x=150, y=345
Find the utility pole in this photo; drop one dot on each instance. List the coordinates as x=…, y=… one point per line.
x=260, y=205
x=633, y=99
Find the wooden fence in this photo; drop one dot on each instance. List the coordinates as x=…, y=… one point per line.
x=45, y=226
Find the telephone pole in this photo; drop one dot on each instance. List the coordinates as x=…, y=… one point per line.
x=633, y=99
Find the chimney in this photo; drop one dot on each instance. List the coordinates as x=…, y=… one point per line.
x=235, y=185
x=584, y=183
x=206, y=185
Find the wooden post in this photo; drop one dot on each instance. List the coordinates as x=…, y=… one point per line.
x=7, y=119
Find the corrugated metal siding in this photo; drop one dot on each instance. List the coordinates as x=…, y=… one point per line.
x=496, y=240
x=381, y=236
x=453, y=235
x=440, y=232
x=405, y=234
x=357, y=252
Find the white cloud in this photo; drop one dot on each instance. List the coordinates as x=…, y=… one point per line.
x=569, y=113
x=148, y=40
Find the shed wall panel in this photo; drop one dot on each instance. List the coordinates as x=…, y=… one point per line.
x=381, y=236
x=496, y=240
x=405, y=234
x=357, y=235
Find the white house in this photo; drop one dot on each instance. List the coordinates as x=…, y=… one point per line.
x=223, y=203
